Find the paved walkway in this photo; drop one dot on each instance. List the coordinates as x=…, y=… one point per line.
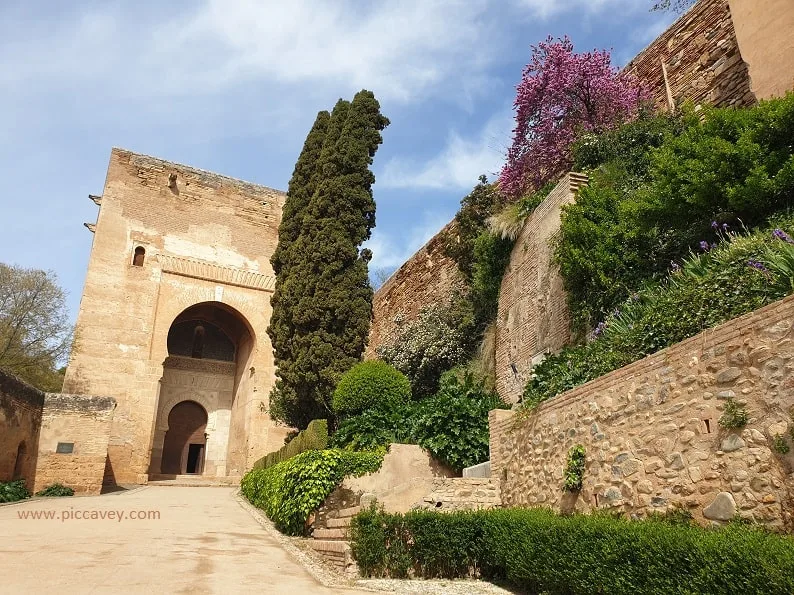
x=203, y=542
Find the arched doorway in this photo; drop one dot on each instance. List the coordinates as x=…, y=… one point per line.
x=185, y=440
x=206, y=391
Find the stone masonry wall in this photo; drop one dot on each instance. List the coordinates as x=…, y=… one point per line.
x=428, y=277
x=462, y=493
x=533, y=315
x=697, y=59
x=83, y=422
x=651, y=430
x=20, y=417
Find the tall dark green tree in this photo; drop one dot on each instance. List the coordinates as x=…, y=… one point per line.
x=300, y=190
x=323, y=300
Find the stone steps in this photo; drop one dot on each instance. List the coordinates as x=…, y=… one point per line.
x=194, y=480
x=335, y=523
x=336, y=553
x=348, y=512
x=331, y=534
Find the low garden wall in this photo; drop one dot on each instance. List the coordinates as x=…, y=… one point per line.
x=73, y=442
x=20, y=418
x=53, y=438
x=652, y=432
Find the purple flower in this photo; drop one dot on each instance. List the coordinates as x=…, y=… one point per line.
x=757, y=265
x=782, y=235
x=714, y=245
x=724, y=227
x=714, y=225
x=704, y=245
x=599, y=329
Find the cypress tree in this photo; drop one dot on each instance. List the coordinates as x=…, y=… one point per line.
x=300, y=190
x=324, y=297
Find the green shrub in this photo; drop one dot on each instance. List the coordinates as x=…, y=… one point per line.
x=376, y=427
x=657, y=185
x=453, y=425
x=56, y=490
x=11, y=491
x=710, y=289
x=734, y=416
x=369, y=384
x=539, y=551
x=780, y=445
x=475, y=208
x=439, y=339
x=314, y=437
x=491, y=257
x=574, y=469
x=290, y=491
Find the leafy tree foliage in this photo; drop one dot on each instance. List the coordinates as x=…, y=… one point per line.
x=562, y=94
x=368, y=384
x=491, y=256
x=658, y=185
x=323, y=300
x=453, y=424
x=35, y=333
x=475, y=209
x=740, y=275
x=678, y=6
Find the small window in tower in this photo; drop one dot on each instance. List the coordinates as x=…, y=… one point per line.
x=140, y=254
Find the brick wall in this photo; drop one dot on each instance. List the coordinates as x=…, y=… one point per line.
x=700, y=59
x=85, y=423
x=20, y=417
x=533, y=314
x=428, y=277
x=652, y=435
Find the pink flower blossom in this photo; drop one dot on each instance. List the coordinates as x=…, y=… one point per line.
x=562, y=95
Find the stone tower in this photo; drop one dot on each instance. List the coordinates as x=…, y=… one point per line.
x=173, y=317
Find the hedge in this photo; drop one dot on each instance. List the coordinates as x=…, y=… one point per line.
x=290, y=491
x=314, y=437
x=539, y=551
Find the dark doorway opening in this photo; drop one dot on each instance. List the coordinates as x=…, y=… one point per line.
x=187, y=425
x=19, y=463
x=194, y=458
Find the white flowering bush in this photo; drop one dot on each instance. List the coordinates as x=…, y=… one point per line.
x=426, y=347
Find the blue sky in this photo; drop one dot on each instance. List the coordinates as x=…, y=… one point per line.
x=233, y=86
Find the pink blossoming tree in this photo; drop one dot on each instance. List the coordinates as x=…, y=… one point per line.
x=562, y=95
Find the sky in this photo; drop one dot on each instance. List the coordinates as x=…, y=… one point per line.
x=233, y=86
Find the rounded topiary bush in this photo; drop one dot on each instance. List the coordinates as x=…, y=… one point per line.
x=369, y=384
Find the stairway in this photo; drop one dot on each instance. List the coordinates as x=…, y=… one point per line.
x=331, y=541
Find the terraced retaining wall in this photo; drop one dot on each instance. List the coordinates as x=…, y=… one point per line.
x=652, y=435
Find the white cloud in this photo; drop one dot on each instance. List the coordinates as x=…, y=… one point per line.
x=400, y=49
x=545, y=9
x=460, y=162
